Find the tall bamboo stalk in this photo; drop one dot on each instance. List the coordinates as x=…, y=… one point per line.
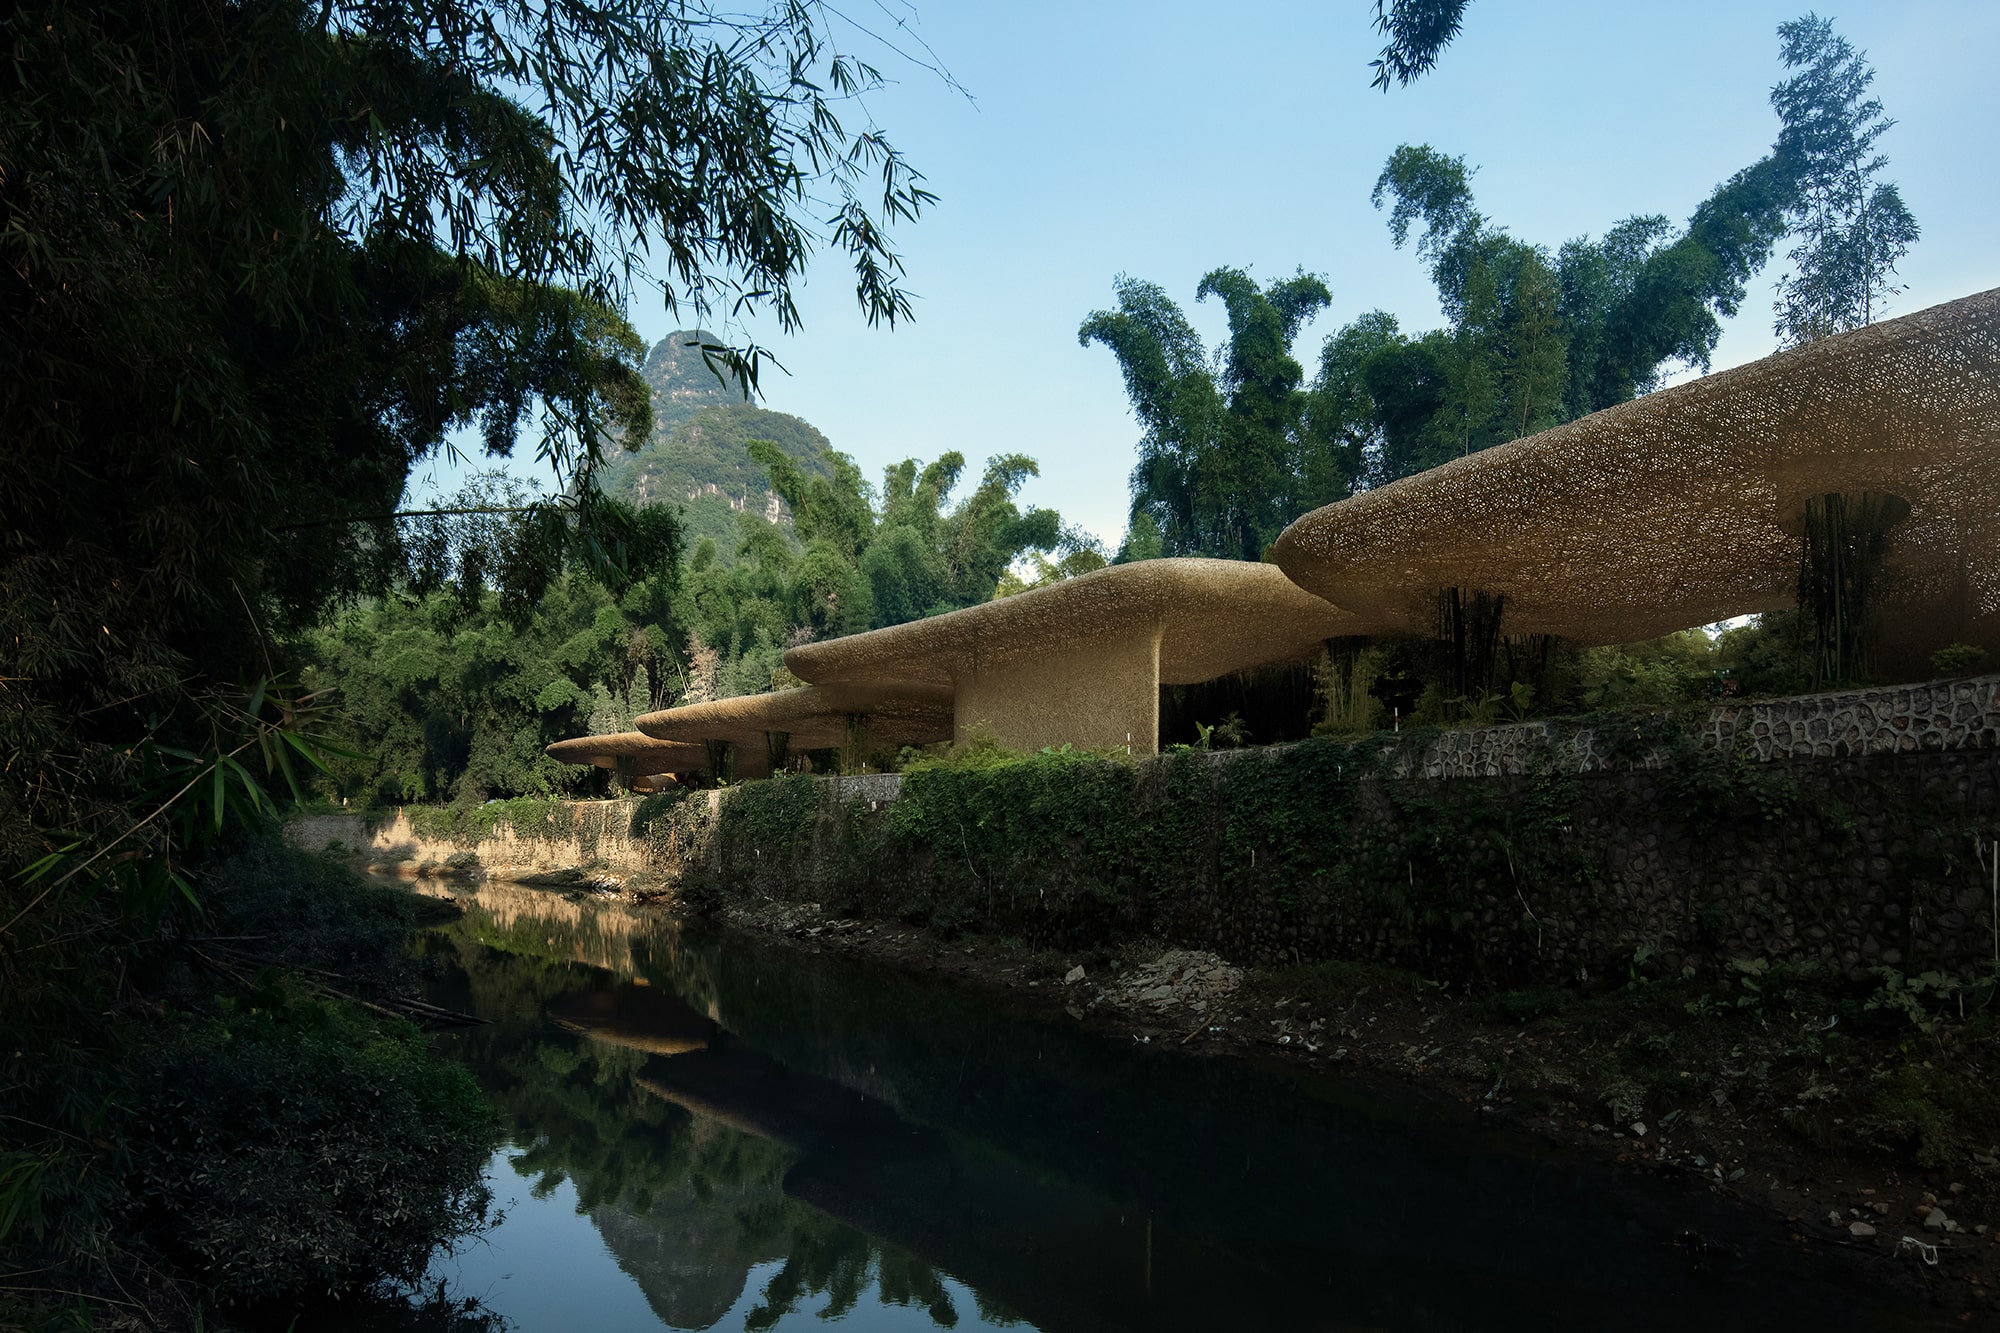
x=1845, y=546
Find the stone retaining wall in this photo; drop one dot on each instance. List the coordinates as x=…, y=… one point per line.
x=1903, y=719
x=1846, y=864
x=595, y=834
x=1845, y=831
x=1849, y=831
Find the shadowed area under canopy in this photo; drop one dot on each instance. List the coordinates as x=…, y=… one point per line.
x=1081, y=661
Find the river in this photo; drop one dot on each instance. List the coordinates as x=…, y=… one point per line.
x=707, y=1130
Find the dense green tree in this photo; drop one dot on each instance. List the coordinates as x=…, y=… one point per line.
x=917, y=554
x=1536, y=338
x=852, y=559
x=1076, y=552
x=1172, y=387
x=1234, y=445
x=257, y=258
x=1341, y=409
x=1142, y=541
x=1238, y=444
x=1850, y=229
x=447, y=699
x=742, y=617
x=449, y=687
x=261, y=257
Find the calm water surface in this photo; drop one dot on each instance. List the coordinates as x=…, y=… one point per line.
x=707, y=1131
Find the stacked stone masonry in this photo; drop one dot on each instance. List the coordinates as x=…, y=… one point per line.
x=595, y=835
x=1848, y=831
x=1905, y=719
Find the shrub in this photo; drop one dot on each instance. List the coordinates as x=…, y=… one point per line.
x=291, y=1148
x=1958, y=659
x=291, y=906
x=182, y=1138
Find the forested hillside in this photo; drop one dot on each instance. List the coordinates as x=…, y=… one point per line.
x=698, y=456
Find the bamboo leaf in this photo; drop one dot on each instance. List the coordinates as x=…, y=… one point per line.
x=35, y=869
x=252, y=789
x=284, y=757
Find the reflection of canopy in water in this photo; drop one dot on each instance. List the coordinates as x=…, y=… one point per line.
x=1056, y=1250
x=1082, y=661
x=640, y=1017
x=756, y=1095
x=1682, y=507
x=1090, y=1187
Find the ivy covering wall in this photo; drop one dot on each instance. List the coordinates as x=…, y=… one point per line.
x=1313, y=851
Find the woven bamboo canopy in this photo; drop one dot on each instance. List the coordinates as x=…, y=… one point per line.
x=813, y=718
x=631, y=752
x=1082, y=661
x=1684, y=507
x=642, y=763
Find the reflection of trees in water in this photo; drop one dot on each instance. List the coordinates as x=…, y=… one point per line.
x=542, y=923
x=1094, y=1186
x=825, y=1258
x=686, y=1205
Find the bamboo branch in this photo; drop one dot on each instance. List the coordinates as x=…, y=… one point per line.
x=404, y=513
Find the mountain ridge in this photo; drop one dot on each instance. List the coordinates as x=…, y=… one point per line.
x=698, y=454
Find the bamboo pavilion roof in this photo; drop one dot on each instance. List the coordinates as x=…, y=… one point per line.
x=1210, y=617
x=1683, y=507
x=637, y=751
x=815, y=717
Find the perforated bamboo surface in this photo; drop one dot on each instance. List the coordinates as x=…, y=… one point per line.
x=1680, y=508
x=815, y=717
x=646, y=754
x=1210, y=617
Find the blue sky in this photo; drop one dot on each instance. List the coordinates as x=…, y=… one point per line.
x=1165, y=139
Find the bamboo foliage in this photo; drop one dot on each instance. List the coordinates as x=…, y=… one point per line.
x=1344, y=676
x=1845, y=544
